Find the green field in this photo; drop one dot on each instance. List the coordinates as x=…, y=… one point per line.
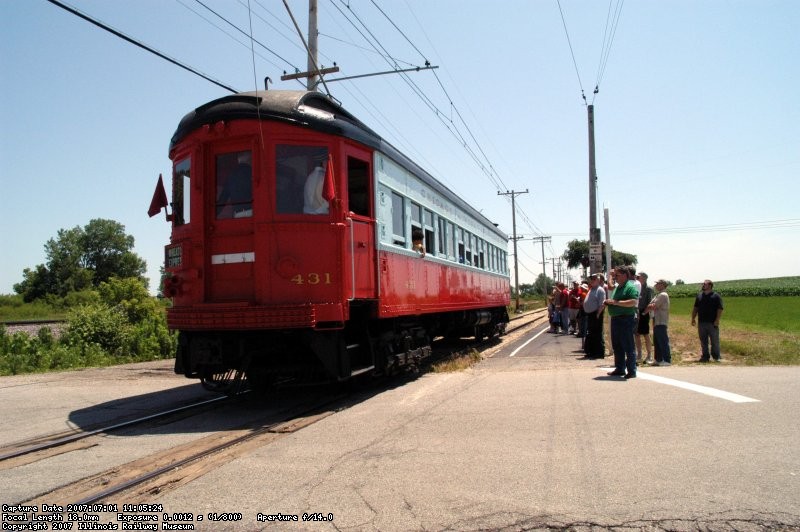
x=775, y=286
x=755, y=313
x=754, y=331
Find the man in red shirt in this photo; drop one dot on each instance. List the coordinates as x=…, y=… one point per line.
x=576, y=296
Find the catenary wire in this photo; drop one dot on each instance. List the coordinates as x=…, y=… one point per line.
x=133, y=41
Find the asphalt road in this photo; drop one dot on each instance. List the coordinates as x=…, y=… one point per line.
x=532, y=438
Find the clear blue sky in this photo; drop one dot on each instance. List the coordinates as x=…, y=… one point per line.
x=697, y=117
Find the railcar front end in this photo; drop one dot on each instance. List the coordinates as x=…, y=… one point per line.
x=290, y=255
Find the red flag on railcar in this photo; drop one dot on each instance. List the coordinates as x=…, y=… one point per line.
x=329, y=186
x=159, y=200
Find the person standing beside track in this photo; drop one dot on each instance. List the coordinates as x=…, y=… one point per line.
x=574, y=305
x=659, y=307
x=643, y=324
x=595, y=345
x=709, y=307
x=622, y=308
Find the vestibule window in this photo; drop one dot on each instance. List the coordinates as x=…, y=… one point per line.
x=181, y=192
x=299, y=179
x=235, y=185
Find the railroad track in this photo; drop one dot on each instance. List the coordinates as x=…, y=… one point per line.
x=138, y=481
x=142, y=479
x=47, y=445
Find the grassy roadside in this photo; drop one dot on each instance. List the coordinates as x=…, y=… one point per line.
x=754, y=331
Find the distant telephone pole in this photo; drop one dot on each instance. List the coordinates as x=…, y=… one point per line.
x=514, y=194
x=543, y=239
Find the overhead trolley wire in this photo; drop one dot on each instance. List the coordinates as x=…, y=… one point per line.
x=571, y=51
x=249, y=36
x=133, y=41
x=612, y=22
x=447, y=122
x=487, y=168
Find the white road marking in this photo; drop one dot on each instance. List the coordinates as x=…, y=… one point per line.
x=517, y=350
x=713, y=392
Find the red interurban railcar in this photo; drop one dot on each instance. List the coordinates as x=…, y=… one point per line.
x=304, y=245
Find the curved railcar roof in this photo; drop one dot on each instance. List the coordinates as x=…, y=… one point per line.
x=316, y=111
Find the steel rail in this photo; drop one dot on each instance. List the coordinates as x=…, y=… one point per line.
x=81, y=435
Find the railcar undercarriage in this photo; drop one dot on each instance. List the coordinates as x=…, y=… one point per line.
x=230, y=361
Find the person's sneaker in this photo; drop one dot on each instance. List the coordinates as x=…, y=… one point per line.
x=649, y=360
x=663, y=363
x=656, y=363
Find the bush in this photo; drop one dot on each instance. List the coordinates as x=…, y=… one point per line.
x=100, y=325
x=117, y=323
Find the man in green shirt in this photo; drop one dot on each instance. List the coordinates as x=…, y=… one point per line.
x=622, y=307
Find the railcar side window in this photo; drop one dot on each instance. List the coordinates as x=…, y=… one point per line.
x=300, y=173
x=417, y=235
x=234, y=185
x=442, y=237
x=398, y=220
x=181, y=192
x=428, y=226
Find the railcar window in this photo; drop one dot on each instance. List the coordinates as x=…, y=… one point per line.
x=181, y=192
x=300, y=173
x=398, y=220
x=442, y=237
x=429, y=238
x=235, y=185
x=461, y=249
x=451, y=230
x=417, y=235
x=358, y=186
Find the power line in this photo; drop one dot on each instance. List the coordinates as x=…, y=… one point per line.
x=608, y=41
x=237, y=28
x=744, y=226
x=139, y=44
x=572, y=53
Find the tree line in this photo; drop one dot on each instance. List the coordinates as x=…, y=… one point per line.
x=93, y=273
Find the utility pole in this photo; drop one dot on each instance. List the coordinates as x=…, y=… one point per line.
x=543, y=239
x=514, y=194
x=312, y=45
x=608, y=240
x=595, y=246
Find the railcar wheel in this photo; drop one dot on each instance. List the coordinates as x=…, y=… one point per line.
x=229, y=382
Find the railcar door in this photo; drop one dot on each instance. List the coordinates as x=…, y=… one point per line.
x=362, y=226
x=229, y=224
x=307, y=238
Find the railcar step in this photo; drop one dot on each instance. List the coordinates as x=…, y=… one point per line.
x=361, y=371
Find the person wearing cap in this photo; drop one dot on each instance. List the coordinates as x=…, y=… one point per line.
x=594, y=345
x=621, y=306
x=643, y=326
x=659, y=308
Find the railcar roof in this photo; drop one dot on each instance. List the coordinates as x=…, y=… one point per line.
x=316, y=111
